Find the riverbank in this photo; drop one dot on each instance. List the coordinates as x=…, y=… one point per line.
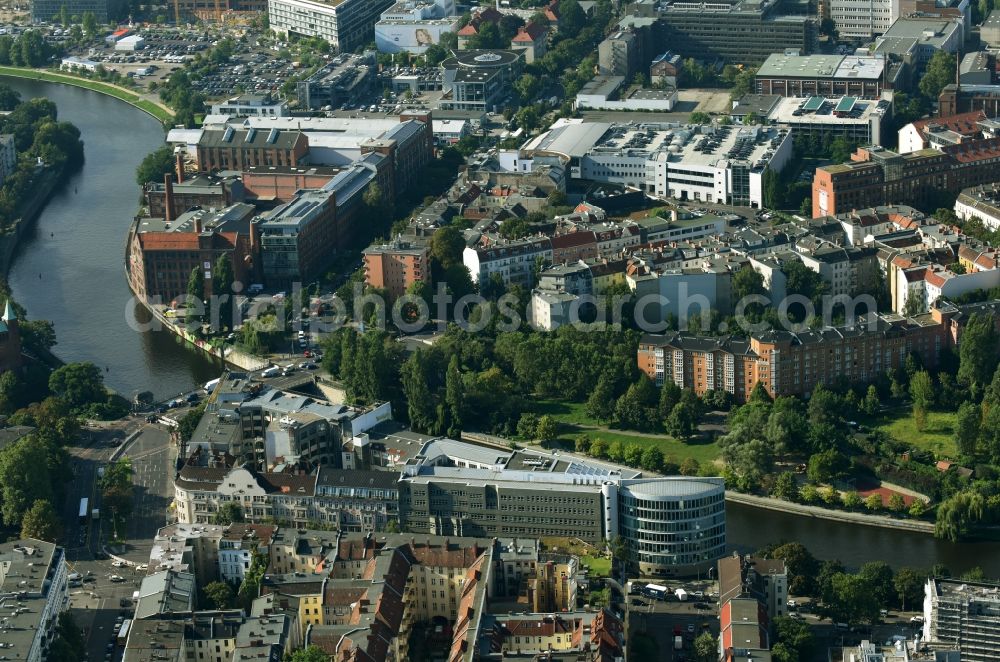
x=768, y=503
x=26, y=214
x=162, y=113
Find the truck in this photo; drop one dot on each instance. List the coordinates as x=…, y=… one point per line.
x=655, y=591
x=95, y=514
x=681, y=594
x=83, y=509
x=678, y=643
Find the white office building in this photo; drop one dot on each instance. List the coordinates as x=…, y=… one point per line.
x=346, y=24
x=723, y=165
x=415, y=26
x=863, y=19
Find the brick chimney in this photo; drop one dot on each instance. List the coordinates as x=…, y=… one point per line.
x=179, y=167
x=197, y=223
x=168, y=197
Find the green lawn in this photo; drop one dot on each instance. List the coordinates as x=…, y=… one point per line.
x=571, y=413
x=936, y=436
x=599, y=565
x=672, y=449
x=159, y=112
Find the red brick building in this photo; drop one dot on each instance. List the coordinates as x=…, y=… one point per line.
x=238, y=149
x=160, y=261
x=877, y=177
x=281, y=183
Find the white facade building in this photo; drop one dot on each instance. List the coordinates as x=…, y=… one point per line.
x=346, y=24
x=863, y=19
x=251, y=105
x=697, y=163
x=415, y=26
x=512, y=261
x=33, y=573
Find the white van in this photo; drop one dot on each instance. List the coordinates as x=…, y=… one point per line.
x=273, y=371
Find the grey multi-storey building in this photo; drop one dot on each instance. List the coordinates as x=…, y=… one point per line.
x=43, y=11
x=670, y=526
x=738, y=31
x=963, y=615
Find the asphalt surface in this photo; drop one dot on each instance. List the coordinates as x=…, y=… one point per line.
x=97, y=600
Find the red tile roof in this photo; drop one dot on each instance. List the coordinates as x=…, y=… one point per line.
x=963, y=123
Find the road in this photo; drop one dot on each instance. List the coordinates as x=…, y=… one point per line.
x=98, y=601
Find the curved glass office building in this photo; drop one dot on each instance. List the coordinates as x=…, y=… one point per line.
x=672, y=527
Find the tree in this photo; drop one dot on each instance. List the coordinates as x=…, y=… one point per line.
x=896, y=503
x=601, y=403
x=652, y=459
x=690, y=467
x=220, y=595
x=879, y=578
x=90, y=25
x=795, y=637
x=939, y=72
x=447, y=245
x=967, y=428
x=310, y=654
x=78, y=384
x=909, y=586
x=977, y=352
x=633, y=455
x=705, y=648
x=785, y=487
x=547, y=429
x=196, y=284
x=682, y=421
x=826, y=466
x=186, y=426
x=222, y=286
x=922, y=394
x=852, y=500
x=871, y=404
x=24, y=479
x=873, y=502
x=847, y=600
x=9, y=97
x=527, y=87
x=229, y=513
x=527, y=118
x=527, y=426
x=802, y=567
x=699, y=117
x=773, y=195
x=454, y=399
x=41, y=522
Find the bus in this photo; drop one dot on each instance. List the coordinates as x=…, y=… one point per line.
x=84, y=510
x=123, y=632
x=655, y=591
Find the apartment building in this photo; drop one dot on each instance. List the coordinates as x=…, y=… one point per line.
x=369, y=612
x=209, y=636
x=47, y=11
x=964, y=616
x=940, y=131
x=511, y=260
x=35, y=572
x=169, y=199
x=215, y=10
x=396, y=265
x=982, y=202
x=765, y=580
x=787, y=363
x=863, y=19
x=351, y=500
x=267, y=184
x=346, y=24
x=877, y=176
x=235, y=149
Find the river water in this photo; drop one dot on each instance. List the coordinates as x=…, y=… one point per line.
x=70, y=270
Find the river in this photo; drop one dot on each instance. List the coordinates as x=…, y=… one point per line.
x=78, y=249
x=70, y=269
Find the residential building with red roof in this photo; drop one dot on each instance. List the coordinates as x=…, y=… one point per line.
x=939, y=131
x=532, y=38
